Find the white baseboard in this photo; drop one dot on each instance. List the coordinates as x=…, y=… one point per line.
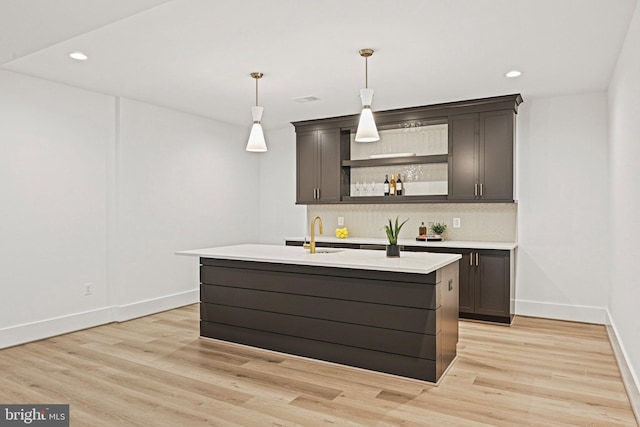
x=629, y=376
x=20, y=334
x=28, y=332
x=574, y=313
x=155, y=305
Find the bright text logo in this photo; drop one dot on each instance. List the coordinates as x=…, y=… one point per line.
x=35, y=415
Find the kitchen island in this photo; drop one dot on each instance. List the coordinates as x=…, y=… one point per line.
x=353, y=307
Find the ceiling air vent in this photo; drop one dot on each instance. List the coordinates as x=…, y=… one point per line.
x=304, y=99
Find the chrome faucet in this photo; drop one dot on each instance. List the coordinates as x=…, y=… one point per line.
x=312, y=245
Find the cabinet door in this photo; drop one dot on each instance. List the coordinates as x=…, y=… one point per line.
x=463, y=164
x=492, y=283
x=496, y=155
x=466, y=280
x=306, y=166
x=329, y=165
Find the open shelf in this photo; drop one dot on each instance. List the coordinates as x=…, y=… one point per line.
x=395, y=199
x=394, y=161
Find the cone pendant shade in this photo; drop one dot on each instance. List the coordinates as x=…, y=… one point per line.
x=256, y=141
x=367, y=131
x=256, y=137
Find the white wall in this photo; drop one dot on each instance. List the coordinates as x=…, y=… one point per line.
x=183, y=182
x=96, y=189
x=624, y=116
x=53, y=181
x=279, y=216
x=562, y=269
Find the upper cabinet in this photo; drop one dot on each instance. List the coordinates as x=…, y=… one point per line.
x=318, y=166
x=496, y=152
x=481, y=156
x=454, y=152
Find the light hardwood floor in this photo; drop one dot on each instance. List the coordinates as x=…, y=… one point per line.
x=155, y=371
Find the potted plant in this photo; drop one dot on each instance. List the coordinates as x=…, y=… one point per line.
x=438, y=229
x=393, y=250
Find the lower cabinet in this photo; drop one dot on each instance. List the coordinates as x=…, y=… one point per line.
x=486, y=277
x=491, y=284
x=486, y=288
x=467, y=303
x=486, y=281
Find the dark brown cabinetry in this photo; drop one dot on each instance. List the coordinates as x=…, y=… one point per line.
x=318, y=166
x=486, y=287
x=481, y=156
x=487, y=290
x=399, y=323
x=495, y=163
x=467, y=303
x=493, y=296
x=463, y=138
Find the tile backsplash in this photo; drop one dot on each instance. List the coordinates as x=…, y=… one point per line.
x=490, y=222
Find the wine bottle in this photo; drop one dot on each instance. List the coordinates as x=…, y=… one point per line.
x=422, y=230
x=399, y=186
x=386, y=185
x=392, y=186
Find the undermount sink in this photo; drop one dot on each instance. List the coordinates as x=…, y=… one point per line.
x=328, y=251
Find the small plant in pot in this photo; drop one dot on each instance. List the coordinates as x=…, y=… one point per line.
x=393, y=230
x=438, y=229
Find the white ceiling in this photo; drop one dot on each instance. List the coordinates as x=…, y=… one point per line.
x=196, y=55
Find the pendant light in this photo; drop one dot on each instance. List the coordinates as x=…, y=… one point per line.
x=367, y=131
x=256, y=137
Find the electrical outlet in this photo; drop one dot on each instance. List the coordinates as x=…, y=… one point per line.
x=340, y=220
x=88, y=288
x=456, y=222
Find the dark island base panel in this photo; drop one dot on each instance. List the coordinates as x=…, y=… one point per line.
x=378, y=315
x=398, y=323
x=354, y=285
x=320, y=329
x=421, y=369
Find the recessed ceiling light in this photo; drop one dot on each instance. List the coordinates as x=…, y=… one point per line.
x=304, y=99
x=79, y=56
x=513, y=73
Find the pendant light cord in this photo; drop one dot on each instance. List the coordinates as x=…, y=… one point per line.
x=256, y=92
x=366, y=72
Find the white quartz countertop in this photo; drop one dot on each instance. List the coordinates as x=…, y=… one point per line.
x=408, y=262
x=458, y=244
